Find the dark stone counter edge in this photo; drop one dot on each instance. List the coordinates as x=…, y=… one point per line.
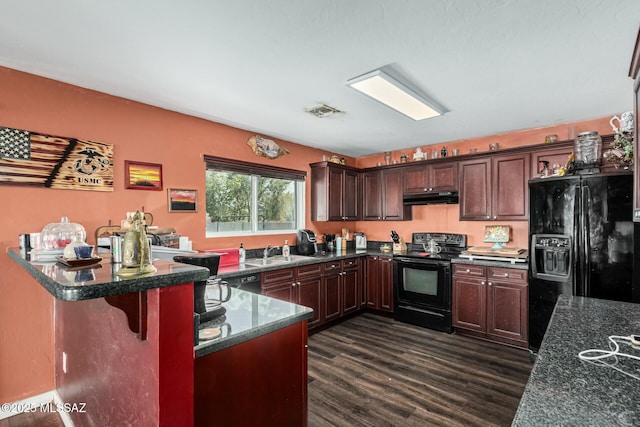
x=491, y=263
x=207, y=347
x=318, y=259
x=125, y=286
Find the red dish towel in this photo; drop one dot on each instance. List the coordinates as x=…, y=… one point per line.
x=424, y=253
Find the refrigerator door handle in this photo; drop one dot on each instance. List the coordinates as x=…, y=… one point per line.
x=576, y=260
x=586, y=238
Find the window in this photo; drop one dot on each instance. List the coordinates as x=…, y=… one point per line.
x=247, y=198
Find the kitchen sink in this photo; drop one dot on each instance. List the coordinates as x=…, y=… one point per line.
x=274, y=260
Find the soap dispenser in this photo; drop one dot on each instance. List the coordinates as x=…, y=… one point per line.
x=242, y=254
x=286, y=251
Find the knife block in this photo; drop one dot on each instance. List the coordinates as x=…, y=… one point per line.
x=400, y=247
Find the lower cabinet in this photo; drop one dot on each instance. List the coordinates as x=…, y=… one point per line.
x=301, y=285
x=332, y=289
x=379, y=282
x=491, y=302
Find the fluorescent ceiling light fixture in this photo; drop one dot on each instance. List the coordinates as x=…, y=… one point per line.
x=397, y=95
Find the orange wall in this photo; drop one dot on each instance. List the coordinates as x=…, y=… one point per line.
x=444, y=218
x=137, y=132
x=144, y=133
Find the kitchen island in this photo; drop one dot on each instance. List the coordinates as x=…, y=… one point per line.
x=562, y=389
x=124, y=348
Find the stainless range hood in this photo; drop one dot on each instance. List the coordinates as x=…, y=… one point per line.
x=444, y=197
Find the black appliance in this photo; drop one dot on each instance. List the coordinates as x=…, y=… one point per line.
x=443, y=197
x=330, y=242
x=422, y=281
x=206, y=309
x=306, y=242
x=581, y=243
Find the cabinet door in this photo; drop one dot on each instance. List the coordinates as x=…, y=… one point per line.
x=350, y=296
x=284, y=291
x=372, y=280
x=336, y=194
x=507, y=310
x=558, y=156
x=386, y=283
x=510, y=190
x=469, y=303
x=443, y=177
x=332, y=291
x=310, y=295
x=350, y=196
x=475, y=180
x=372, y=195
x=392, y=207
x=416, y=179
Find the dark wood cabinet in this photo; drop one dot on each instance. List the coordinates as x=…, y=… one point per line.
x=301, y=285
x=475, y=193
x=382, y=196
x=351, y=285
x=431, y=178
x=379, y=283
x=495, y=188
x=334, y=192
x=491, y=303
x=555, y=155
x=510, y=188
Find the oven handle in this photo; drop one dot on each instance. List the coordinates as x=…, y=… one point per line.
x=419, y=261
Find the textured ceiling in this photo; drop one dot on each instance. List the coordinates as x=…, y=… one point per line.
x=496, y=66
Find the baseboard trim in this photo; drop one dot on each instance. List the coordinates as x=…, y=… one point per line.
x=23, y=405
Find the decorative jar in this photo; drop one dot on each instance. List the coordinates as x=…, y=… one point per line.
x=58, y=235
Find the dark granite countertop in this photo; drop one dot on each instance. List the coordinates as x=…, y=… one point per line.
x=563, y=390
x=100, y=281
x=492, y=263
x=230, y=271
x=249, y=316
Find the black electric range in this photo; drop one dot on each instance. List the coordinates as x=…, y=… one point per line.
x=422, y=280
x=451, y=246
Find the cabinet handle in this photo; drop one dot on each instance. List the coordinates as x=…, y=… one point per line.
x=488, y=217
x=483, y=282
x=298, y=283
x=490, y=284
x=505, y=275
x=495, y=217
x=467, y=271
x=378, y=217
x=293, y=284
x=425, y=189
x=430, y=188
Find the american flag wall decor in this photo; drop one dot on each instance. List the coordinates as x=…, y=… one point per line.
x=28, y=158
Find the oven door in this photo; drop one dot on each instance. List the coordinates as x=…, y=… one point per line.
x=422, y=282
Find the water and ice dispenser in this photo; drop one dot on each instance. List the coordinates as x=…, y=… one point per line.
x=551, y=257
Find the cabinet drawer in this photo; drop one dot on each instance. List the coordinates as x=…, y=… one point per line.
x=510, y=274
x=332, y=268
x=469, y=270
x=312, y=270
x=277, y=276
x=350, y=264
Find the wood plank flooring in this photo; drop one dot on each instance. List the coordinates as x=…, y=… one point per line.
x=374, y=371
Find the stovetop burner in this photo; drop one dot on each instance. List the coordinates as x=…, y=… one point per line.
x=451, y=245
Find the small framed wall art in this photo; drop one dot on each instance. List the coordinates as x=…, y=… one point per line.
x=142, y=176
x=181, y=200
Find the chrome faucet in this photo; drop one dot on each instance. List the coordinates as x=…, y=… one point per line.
x=268, y=249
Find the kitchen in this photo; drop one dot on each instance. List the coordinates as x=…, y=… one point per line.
x=137, y=131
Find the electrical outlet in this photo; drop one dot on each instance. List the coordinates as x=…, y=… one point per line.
x=64, y=362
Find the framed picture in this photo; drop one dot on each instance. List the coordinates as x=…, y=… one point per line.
x=142, y=176
x=181, y=200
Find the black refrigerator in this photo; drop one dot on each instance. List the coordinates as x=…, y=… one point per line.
x=580, y=242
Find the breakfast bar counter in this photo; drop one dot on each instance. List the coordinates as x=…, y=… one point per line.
x=562, y=389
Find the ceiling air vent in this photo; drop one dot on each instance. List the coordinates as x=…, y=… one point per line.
x=322, y=110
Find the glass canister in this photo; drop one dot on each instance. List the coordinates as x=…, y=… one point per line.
x=588, y=147
x=58, y=235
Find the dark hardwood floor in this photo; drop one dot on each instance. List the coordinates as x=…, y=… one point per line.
x=374, y=371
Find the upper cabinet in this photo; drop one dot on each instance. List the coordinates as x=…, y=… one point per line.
x=334, y=192
x=382, y=196
x=495, y=188
x=431, y=178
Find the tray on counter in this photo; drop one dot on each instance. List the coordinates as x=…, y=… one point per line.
x=79, y=262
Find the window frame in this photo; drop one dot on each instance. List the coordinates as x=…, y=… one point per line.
x=255, y=171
